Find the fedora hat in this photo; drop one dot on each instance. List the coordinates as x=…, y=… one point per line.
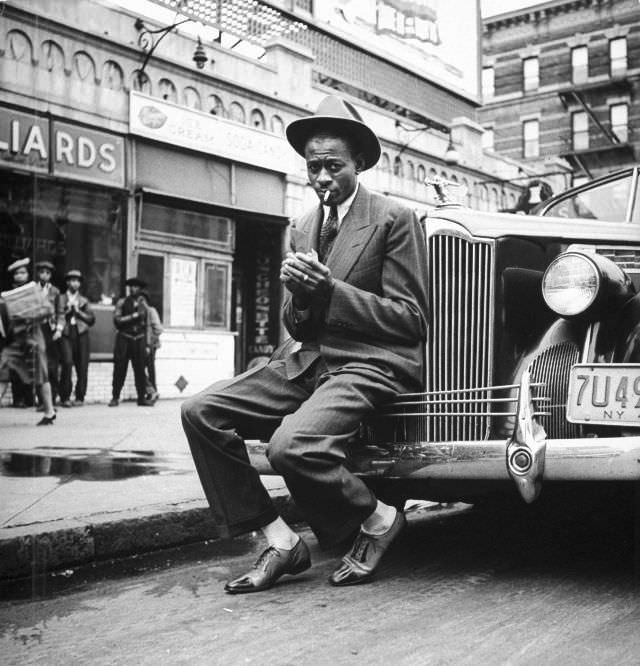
x=45, y=264
x=335, y=113
x=18, y=264
x=135, y=282
x=73, y=273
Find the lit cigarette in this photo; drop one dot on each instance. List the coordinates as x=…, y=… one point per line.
x=326, y=196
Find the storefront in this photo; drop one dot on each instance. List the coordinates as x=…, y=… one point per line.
x=63, y=199
x=210, y=217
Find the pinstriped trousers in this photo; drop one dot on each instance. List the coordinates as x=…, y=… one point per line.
x=308, y=421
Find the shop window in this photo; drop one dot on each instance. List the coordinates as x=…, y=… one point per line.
x=619, y=118
x=579, y=64
x=112, y=76
x=216, y=297
x=191, y=98
x=151, y=269
x=618, y=56
x=19, y=47
x=530, y=74
x=73, y=226
x=168, y=91
x=257, y=119
x=51, y=56
x=488, y=82
x=189, y=227
x=237, y=113
x=215, y=106
x=530, y=136
x=579, y=130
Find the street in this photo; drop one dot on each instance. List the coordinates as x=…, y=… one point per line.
x=461, y=586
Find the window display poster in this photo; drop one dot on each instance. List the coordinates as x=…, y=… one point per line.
x=182, y=295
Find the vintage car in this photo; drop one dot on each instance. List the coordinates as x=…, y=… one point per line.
x=533, y=355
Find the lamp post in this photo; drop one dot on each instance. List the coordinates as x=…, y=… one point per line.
x=148, y=41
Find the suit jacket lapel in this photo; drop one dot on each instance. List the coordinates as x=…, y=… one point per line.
x=355, y=231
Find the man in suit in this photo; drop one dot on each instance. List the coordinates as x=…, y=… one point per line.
x=130, y=319
x=77, y=319
x=357, y=303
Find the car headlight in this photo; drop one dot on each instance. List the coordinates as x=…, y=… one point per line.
x=577, y=284
x=570, y=284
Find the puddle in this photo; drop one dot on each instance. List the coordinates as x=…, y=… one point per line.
x=90, y=464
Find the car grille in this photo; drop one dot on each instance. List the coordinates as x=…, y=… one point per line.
x=459, y=350
x=552, y=367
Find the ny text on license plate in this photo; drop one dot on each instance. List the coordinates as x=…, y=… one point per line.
x=604, y=393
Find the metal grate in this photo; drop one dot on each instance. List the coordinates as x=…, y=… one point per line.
x=459, y=401
x=459, y=352
x=552, y=368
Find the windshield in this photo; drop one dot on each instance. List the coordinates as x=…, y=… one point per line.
x=608, y=201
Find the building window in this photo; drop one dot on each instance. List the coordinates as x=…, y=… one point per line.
x=488, y=82
x=397, y=167
x=579, y=64
x=579, y=130
x=421, y=174
x=618, y=56
x=530, y=74
x=619, y=116
x=530, y=134
x=237, y=112
x=487, y=138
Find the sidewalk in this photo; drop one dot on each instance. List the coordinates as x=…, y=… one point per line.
x=100, y=483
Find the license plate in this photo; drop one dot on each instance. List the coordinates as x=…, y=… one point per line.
x=604, y=393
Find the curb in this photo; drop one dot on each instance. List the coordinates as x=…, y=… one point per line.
x=100, y=538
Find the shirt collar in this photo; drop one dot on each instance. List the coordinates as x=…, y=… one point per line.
x=343, y=208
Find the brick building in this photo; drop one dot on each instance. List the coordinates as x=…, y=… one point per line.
x=561, y=87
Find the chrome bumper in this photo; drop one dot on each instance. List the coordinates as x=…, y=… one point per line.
x=527, y=457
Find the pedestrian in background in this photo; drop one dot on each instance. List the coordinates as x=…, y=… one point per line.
x=51, y=326
x=78, y=318
x=154, y=331
x=130, y=320
x=24, y=352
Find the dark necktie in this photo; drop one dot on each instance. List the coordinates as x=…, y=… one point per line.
x=328, y=233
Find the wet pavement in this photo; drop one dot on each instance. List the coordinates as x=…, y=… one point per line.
x=101, y=482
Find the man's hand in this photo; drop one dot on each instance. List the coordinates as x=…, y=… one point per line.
x=305, y=277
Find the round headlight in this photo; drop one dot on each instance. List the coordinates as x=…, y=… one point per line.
x=570, y=284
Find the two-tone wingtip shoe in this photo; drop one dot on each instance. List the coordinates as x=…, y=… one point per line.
x=360, y=563
x=272, y=563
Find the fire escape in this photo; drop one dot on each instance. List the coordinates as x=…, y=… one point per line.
x=606, y=150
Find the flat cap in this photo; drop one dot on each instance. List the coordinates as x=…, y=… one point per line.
x=135, y=282
x=73, y=273
x=19, y=263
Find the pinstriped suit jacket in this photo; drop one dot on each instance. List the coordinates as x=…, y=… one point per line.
x=377, y=314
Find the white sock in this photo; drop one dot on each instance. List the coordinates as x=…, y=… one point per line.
x=279, y=535
x=380, y=520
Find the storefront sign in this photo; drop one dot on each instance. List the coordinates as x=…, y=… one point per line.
x=38, y=144
x=24, y=141
x=261, y=345
x=179, y=126
x=88, y=154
